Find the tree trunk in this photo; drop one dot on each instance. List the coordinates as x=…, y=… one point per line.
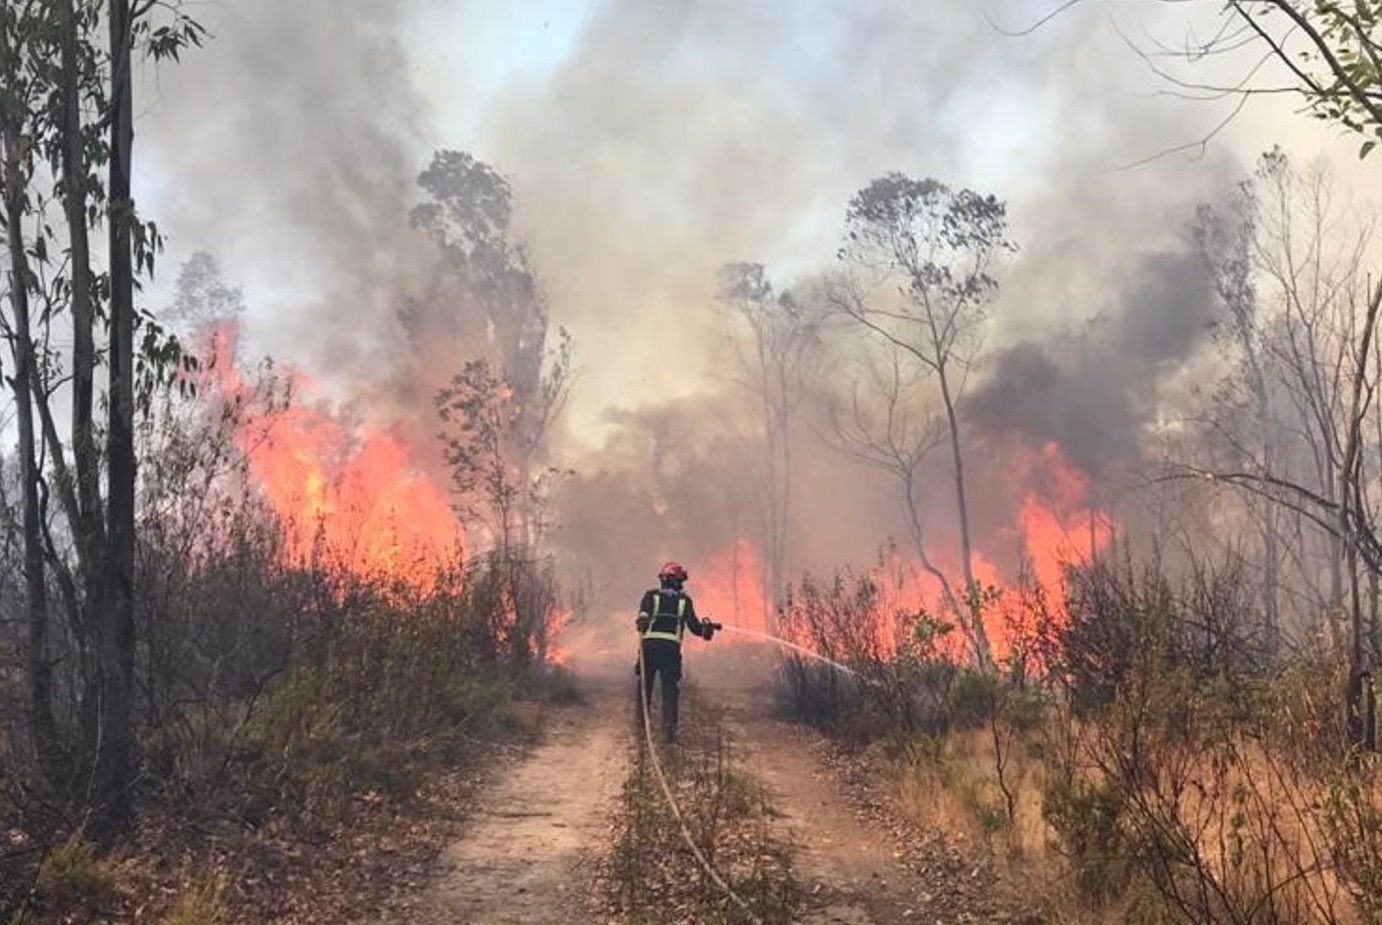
x=117, y=627
x=43, y=727
x=87, y=518
x=86, y=459
x=1352, y=509
x=972, y=607
x=919, y=543
x=784, y=522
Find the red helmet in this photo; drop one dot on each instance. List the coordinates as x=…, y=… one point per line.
x=672, y=571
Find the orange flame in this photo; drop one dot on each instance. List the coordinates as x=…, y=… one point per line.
x=1055, y=525
x=730, y=588
x=351, y=497
x=347, y=496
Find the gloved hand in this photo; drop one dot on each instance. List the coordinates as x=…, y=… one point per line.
x=642, y=623
x=710, y=629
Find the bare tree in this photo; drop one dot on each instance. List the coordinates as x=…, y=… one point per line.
x=928, y=252
x=779, y=365
x=888, y=422
x=1226, y=239
x=1300, y=352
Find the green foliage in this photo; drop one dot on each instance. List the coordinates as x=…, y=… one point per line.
x=388, y=696
x=990, y=814
x=479, y=413
x=1085, y=816
x=166, y=41
x=1128, y=624
x=1345, y=86
x=972, y=699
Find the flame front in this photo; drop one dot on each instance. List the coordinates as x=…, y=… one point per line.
x=347, y=497
x=1055, y=526
x=729, y=588
x=351, y=497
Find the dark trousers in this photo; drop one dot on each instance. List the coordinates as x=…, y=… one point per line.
x=662, y=658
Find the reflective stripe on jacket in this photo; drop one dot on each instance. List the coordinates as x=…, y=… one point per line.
x=665, y=619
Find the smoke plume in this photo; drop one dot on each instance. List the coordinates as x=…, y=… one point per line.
x=674, y=136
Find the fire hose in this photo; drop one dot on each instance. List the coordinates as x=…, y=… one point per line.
x=686, y=836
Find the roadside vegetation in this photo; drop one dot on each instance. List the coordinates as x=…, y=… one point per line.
x=299, y=723
x=1154, y=760
x=652, y=875
x=232, y=687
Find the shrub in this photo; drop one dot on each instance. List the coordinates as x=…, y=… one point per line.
x=201, y=903
x=72, y=876
x=1085, y=816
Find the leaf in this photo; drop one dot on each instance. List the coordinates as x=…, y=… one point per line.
x=1366, y=149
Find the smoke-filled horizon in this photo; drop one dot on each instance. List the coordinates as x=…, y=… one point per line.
x=657, y=141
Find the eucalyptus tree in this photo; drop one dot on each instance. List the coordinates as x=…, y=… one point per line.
x=923, y=260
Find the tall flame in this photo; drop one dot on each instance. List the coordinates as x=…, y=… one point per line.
x=346, y=495
x=730, y=588
x=351, y=497
x=1055, y=525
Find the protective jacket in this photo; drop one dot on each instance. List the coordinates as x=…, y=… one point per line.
x=665, y=614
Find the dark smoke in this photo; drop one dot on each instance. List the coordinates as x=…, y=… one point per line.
x=290, y=145
x=1094, y=389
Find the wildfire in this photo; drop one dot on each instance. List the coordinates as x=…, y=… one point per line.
x=729, y=588
x=347, y=496
x=352, y=499
x=1055, y=526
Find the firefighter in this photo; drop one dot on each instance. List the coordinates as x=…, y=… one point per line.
x=664, y=614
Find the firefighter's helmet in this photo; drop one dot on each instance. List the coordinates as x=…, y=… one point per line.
x=673, y=572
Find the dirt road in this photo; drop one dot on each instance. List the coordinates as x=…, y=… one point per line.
x=858, y=868
x=524, y=857
x=527, y=856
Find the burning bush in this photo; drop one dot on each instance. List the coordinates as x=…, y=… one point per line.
x=879, y=664
x=324, y=660
x=310, y=638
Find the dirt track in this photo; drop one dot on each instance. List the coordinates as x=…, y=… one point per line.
x=850, y=873
x=527, y=856
x=524, y=858
x=859, y=863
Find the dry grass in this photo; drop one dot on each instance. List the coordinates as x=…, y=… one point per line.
x=1264, y=831
x=652, y=876
x=201, y=902
x=950, y=786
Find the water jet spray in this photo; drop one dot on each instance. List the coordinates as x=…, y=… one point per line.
x=766, y=637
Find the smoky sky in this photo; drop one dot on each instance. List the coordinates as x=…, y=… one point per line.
x=288, y=147
x=673, y=136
